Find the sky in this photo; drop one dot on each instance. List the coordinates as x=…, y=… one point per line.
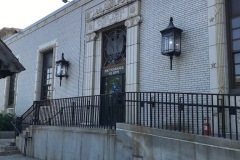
x=22, y=13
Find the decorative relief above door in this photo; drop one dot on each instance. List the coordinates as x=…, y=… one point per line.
x=111, y=12
x=106, y=7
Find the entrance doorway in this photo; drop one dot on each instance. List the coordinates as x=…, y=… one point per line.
x=112, y=100
x=113, y=76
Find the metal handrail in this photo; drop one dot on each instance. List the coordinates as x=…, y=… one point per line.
x=15, y=127
x=25, y=138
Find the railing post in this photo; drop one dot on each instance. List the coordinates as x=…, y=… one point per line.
x=87, y=112
x=36, y=108
x=61, y=116
x=73, y=113
x=151, y=119
x=49, y=121
x=180, y=109
x=223, y=122
x=92, y=111
x=221, y=117
x=110, y=109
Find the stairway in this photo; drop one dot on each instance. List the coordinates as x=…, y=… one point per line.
x=8, y=147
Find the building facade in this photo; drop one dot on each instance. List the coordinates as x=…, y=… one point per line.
x=115, y=46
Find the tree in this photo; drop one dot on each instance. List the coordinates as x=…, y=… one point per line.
x=5, y=122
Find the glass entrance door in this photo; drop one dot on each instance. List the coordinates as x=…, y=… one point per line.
x=113, y=84
x=112, y=100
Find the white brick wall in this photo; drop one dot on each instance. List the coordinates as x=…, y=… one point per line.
x=67, y=32
x=190, y=71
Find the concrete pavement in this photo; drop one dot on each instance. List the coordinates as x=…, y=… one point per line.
x=16, y=157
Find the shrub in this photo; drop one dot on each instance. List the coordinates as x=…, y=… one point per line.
x=5, y=122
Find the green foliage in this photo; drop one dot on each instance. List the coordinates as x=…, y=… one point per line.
x=5, y=122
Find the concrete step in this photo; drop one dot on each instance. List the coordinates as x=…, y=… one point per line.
x=8, y=147
x=7, y=153
x=6, y=141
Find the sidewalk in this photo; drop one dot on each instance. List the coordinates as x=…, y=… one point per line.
x=16, y=157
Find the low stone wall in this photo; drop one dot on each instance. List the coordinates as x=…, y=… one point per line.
x=7, y=134
x=69, y=143
x=142, y=143
x=128, y=142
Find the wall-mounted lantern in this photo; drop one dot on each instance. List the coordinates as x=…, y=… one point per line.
x=62, y=68
x=171, y=41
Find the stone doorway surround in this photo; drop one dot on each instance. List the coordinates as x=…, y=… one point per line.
x=104, y=15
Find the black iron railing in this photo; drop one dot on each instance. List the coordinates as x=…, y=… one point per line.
x=216, y=115
x=26, y=119
x=102, y=111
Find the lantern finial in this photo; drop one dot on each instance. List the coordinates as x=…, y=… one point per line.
x=171, y=23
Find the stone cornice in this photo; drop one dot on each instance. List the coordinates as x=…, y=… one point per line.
x=45, y=21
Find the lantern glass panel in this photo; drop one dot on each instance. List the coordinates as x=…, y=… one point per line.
x=59, y=69
x=177, y=42
x=64, y=70
x=167, y=43
x=171, y=43
x=164, y=44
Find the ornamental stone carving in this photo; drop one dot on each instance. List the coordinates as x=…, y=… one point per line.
x=119, y=14
x=106, y=7
x=92, y=36
x=218, y=9
x=132, y=9
x=133, y=21
x=90, y=27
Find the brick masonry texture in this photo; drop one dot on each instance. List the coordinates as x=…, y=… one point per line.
x=191, y=71
x=67, y=32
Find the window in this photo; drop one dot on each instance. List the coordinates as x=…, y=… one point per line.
x=234, y=41
x=114, y=46
x=47, y=76
x=11, y=94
